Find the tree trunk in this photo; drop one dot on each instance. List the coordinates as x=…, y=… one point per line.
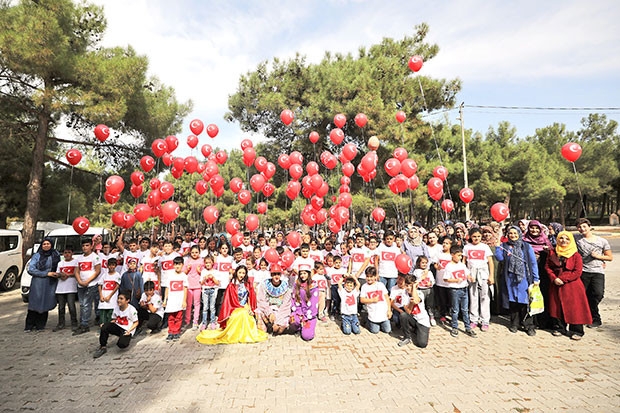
x=36, y=181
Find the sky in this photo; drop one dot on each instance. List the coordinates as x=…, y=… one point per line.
x=524, y=53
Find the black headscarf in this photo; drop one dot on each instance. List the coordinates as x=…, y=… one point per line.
x=44, y=255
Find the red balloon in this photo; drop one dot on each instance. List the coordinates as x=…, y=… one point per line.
x=244, y=196
x=296, y=158
x=378, y=214
x=415, y=63
x=196, y=126
x=237, y=239
x=348, y=169
x=257, y=182
x=136, y=191
x=211, y=214
x=114, y=185
x=312, y=168
x=246, y=143
x=202, y=187
x=436, y=195
x=400, y=116
x=261, y=207
x=271, y=255
x=349, y=151
x=340, y=120
x=345, y=199
x=167, y=159
x=400, y=154
x=218, y=192
x=466, y=195
x=251, y=222
x=159, y=147
x=137, y=178
x=221, y=157
x=206, y=150
x=361, y=120
x=408, y=167
x=404, y=264
x=260, y=163
x=118, y=218
x=336, y=136
x=268, y=189
x=317, y=202
x=232, y=226
x=293, y=239
x=249, y=155
x=309, y=218
x=155, y=211
x=392, y=167
x=398, y=184
x=102, y=132
x=176, y=173
x=142, y=212
x=342, y=215
x=270, y=170
x=345, y=180
x=166, y=189
x=440, y=172
x=211, y=169
x=191, y=164
x=147, y=163
x=154, y=183
x=292, y=189
x=236, y=185
x=321, y=216
x=316, y=181
x=81, y=225
x=499, y=211
x=154, y=198
x=344, y=188
x=333, y=226
x=128, y=220
x=284, y=161
x=287, y=258
x=73, y=156
x=435, y=184
x=314, y=137
x=217, y=183
x=571, y=151
x=212, y=130
x=413, y=182
x=330, y=161
x=296, y=171
x=178, y=163
x=287, y=116
x=192, y=141
x=170, y=211
x=172, y=142
x=447, y=205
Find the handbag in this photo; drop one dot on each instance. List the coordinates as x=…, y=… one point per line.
x=536, y=301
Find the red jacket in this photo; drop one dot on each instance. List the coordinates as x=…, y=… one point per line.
x=567, y=302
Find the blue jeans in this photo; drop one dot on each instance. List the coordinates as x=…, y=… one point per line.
x=460, y=301
x=388, y=282
x=384, y=326
x=208, y=305
x=87, y=297
x=350, y=323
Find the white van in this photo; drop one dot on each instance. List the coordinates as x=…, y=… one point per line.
x=11, y=259
x=61, y=239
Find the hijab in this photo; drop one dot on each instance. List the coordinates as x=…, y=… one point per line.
x=569, y=250
x=516, y=263
x=45, y=255
x=539, y=242
x=488, y=236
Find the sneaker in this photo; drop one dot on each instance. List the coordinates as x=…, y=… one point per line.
x=443, y=320
x=100, y=352
x=470, y=332
x=58, y=328
x=27, y=330
x=156, y=331
x=404, y=342
x=170, y=337
x=454, y=332
x=595, y=324
x=473, y=325
x=485, y=327
x=513, y=329
x=433, y=322
x=557, y=333
x=323, y=319
x=81, y=330
x=332, y=317
x=576, y=337
x=531, y=332
x=203, y=326
x=176, y=337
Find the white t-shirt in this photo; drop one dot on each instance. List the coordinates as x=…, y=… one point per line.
x=316, y=255
x=258, y=276
x=399, y=296
x=373, y=258
x=206, y=281
x=419, y=312
x=108, y=283
x=125, y=318
x=303, y=264
x=335, y=274
x=247, y=250
x=319, y=281
x=358, y=256
x=377, y=312
x=348, y=301
x=387, y=261
x=166, y=265
x=104, y=261
x=176, y=284
x=149, y=265
x=425, y=283
x=443, y=260
x=456, y=270
x=434, y=252
x=156, y=301
x=222, y=267
x=87, y=266
x=185, y=247
x=70, y=284
x=128, y=255
x=477, y=255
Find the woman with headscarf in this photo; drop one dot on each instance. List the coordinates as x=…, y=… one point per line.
x=568, y=303
x=519, y=272
x=414, y=246
x=536, y=237
x=491, y=238
x=42, y=299
x=554, y=229
x=460, y=234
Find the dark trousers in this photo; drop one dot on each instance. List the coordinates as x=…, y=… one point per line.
x=560, y=325
x=69, y=300
x=442, y=301
x=519, y=315
x=594, y=284
x=153, y=321
x=115, y=330
x=414, y=330
x=36, y=320
x=335, y=310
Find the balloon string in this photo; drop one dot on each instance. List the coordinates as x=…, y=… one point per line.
x=585, y=214
x=70, y=191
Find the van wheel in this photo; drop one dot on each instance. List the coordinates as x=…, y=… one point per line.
x=9, y=280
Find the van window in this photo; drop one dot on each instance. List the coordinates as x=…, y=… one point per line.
x=8, y=242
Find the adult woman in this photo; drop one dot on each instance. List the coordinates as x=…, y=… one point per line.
x=568, y=303
x=273, y=303
x=536, y=237
x=414, y=246
x=236, y=314
x=42, y=268
x=519, y=272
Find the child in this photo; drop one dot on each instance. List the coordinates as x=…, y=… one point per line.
x=166, y=269
x=336, y=274
x=425, y=282
x=414, y=320
x=86, y=274
x=123, y=324
x=348, y=304
x=399, y=298
x=209, y=293
x=457, y=275
x=131, y=280
x=150, y=270
x=151, y=309
x=479, y=260
x=66, y=290
x=247, y=249
x=238, y=259
x=386, y=260
x=304, y=306
x=223, y=272
x=193, y=268
x=108, y=292
x=175, y=300
x=133, y=254
x=320, y=281
x=314, y=252
x=375, y=296
x=442, y=288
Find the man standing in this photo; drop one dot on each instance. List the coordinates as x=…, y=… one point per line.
x=595, y=251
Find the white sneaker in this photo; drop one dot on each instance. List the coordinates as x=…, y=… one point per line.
x=433, y=322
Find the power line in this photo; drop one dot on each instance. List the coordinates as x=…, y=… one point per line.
x=606, y=109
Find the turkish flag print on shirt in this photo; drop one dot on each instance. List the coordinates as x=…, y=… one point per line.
x=149, y=267
x=376, y=294
x=176, y=285
x=475, y=254
x=388, y=256
x=67, y=270
x=167, y=265
x=358, y=257
x=109, y=285
x=350, y=299
x=122, y=321
x=459, y=274
x=86, y=266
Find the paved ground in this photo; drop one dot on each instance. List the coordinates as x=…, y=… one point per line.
x=498, y=371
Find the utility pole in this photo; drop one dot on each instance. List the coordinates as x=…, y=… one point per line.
x=464, y=157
